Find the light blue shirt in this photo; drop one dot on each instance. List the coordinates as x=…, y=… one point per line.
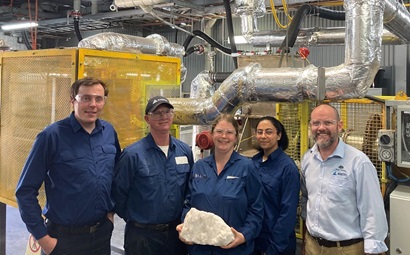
x=341, y=197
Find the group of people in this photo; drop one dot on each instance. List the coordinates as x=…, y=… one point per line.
x=153, y=183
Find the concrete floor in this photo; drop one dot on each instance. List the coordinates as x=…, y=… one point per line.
x=17, y=234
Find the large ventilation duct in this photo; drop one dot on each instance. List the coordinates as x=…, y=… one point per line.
x=397, y=19
x=152, y=44
x=364, y=26
x=316, y=36
x=134, y=3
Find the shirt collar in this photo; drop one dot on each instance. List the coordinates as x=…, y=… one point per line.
x=234, y=157
x=271, y=156
x=77, y=126
x=151, y=143
x=338, y=152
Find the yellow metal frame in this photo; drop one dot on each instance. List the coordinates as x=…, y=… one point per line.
x=304, y=110
x=105, y=65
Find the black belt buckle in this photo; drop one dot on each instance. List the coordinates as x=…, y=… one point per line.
x=162, y=227
x=326, y=243
x=94, y=228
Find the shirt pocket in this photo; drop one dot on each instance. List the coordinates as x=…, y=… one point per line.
x=71, y=155
x=233, y=188
x=338, y=189
x=182, y=173
x=73, y=162
x=108, y=155
x=149, y=176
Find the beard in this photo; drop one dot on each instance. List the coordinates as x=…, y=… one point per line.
x=325, y=143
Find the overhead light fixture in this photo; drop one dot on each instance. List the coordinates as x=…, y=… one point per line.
x=17, y=26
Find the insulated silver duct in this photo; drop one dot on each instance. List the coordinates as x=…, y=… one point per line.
x=397, y=19
x=364, y=26
x=135, y=3
x=152, y=44
x=315, y=36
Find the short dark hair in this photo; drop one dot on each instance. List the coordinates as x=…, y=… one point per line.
x=87, y=81
x=284, y=140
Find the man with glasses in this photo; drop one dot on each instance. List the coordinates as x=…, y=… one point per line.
x=74, y=158
x=150, y=184
x=342, y=206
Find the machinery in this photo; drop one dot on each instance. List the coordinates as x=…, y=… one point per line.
x=394, y=150
x=35, y=92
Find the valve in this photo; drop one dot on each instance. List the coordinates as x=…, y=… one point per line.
x=303, y=52
x=204, y=140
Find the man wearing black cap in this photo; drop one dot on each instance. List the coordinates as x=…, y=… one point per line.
x=150, y=183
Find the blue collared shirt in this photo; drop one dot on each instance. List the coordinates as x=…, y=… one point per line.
x=150, y=188
x=341, y=198
x=77, y=170
x=281, y=185
x=235, y=195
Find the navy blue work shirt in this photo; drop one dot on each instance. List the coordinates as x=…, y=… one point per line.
x=77, y=170
x=148, y=187
x=281, y=185
x=235, y=195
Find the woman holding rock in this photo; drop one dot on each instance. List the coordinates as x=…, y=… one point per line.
x=226, y=184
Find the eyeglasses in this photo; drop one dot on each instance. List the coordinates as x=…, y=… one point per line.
x=326, y=123
x=87, y=99
x=268, y=132
x=226, y=132
x=158, y=114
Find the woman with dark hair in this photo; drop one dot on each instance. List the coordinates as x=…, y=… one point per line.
x=280, y=185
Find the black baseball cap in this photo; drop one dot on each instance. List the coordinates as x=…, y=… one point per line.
x=156, y=101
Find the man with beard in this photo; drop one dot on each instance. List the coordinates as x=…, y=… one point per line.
x=342, y=207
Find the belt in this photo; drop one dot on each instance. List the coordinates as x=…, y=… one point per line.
x=155, y=227
x=73, y=229
x=328, y=244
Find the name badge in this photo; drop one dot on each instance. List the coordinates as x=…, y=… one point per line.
x=181, y=160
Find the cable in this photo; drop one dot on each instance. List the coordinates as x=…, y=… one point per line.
x=285, y=8
x=231, y=33
x=208, y=39
x=391, y=175
x=275, y=15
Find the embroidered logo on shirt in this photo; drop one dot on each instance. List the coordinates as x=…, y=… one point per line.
x=199, y=176
x=340, y=171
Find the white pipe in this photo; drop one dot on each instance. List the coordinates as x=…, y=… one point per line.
x=77, y=5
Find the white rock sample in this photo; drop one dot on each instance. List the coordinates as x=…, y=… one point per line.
x=206, y=228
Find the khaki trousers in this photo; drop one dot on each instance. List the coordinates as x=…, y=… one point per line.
x=313, y=248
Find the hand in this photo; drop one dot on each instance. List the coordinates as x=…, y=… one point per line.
x=47, y=243
x=110, y=216
x=179, y=229
x=239, y=239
